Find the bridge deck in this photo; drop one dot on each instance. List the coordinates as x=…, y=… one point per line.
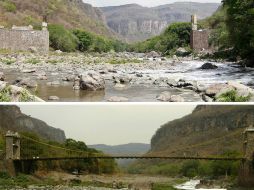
x=133, y=157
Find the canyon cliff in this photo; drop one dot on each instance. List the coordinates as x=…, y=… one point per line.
x=136, y=23
x=11, y=118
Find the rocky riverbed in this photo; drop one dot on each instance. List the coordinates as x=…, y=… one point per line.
x=122, y=77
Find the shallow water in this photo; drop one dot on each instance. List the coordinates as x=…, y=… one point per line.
x=188, y=70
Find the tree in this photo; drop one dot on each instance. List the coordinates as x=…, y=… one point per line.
x=62, y=39
x=240, y=24
x=85, y=39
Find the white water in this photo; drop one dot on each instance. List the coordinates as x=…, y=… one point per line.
x=189, y=70
x=191, y=185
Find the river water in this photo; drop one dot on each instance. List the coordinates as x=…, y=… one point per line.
x=191, y=185
x=141, y=90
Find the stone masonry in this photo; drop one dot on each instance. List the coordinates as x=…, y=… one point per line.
x=25, y=39
x=199, y=38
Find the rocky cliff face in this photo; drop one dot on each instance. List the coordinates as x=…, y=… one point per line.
x=70, y=13
x=136, y=23
x=11, y=118
x=208, y=130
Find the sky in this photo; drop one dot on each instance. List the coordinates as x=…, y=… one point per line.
x=146, y=3
x=108, y=124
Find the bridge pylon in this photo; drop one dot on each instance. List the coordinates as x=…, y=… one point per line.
x=246, y=175
x=12, y=146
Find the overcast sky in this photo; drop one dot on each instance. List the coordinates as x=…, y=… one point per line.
x=147, y=3
x=108, y=124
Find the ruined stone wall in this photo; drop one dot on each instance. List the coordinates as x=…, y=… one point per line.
x=199, y=40
x=23, y=40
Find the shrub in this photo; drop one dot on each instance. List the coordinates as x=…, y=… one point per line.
x=85, y=40
x=9, y=6
x=62, y=39
x=232, y=96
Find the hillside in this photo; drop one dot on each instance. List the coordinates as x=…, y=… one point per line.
x=69, y=13
x=132, y=148
x=11, y=118
x=136, y=23
x=208, y=130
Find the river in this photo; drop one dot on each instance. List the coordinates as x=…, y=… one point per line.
x=140, y=89
x=192, y=184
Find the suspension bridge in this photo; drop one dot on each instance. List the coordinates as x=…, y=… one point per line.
x=28, y=150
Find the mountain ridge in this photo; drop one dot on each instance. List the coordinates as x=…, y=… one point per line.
x=136, y=23
x=11, y=118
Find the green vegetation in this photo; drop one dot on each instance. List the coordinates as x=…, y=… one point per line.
x=70, y=148
x=80, y=40
x=5, y=95
x=8, y=5
x=7, y=61
x=33, y=61
x=61, y=38
x=232, y=96
x=240, y=25
x=191, y=168
x=176, y=35
x=26, y=97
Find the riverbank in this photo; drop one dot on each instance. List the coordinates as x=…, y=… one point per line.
x=124, y=77
x=64, y=181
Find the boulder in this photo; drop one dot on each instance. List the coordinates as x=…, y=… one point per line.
x=53, y=83
x=54, y=98
x=26, y=82
x=208, y=66
x=153, y=54
x=241, y=89
x=119, y=86
x=117, y=99
x=182, y=52
x=2, y=77
x=69, y=78
x=164, y=96
x=167, y=97
x=216, y=89
x=176, y=98
x=2, y=85
x=91, y=81
x=122, y=79
x=28, y=71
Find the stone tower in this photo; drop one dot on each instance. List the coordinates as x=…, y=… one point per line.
x=248, y=146
x=194, y=22
x=198, y=38
x=12, y=146
x=246, y=173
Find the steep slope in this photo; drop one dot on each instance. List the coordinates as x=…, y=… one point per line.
x=11, y=118
x=208, y=130
x=132, y=148
x=136, y=23
x=70, y=13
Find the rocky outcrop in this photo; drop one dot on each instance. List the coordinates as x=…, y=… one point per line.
x=136, y=23
x=205, y=123
x=11, y=118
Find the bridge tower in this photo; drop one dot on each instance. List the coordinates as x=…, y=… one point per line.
x=246, y=175
x=12, y=146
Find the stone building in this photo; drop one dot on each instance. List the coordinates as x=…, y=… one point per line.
x=25, y=39
x=199, y=38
